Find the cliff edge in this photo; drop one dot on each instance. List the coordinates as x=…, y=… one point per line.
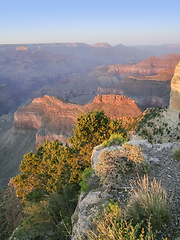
x=162, y=166
x=175, y=92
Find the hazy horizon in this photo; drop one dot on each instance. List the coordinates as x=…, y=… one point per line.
x=39, y=43
x=114, y=22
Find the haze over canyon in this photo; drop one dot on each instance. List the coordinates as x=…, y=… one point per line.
x=78, y=72
x=44, y=87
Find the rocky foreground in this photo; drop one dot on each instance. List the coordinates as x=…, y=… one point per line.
x=162, y=166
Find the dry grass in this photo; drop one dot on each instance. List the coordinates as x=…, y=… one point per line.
x=111, y=226
x=112, y=165
x=148, y=200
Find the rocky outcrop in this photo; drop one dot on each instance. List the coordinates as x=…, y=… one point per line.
x=91, y=201
x=146, y=93
x=162, y=125
x=175, y=91
x=25, y=119
x=113, y=99
x=55, y=119
x=162, y=166
x=115, y=106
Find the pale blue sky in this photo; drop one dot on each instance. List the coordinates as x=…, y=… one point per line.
x=129, y=22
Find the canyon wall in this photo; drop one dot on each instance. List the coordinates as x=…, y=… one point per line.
x=163, y=66
x=55, y=119
x=175, y=91
x=147, y=82
x=146, y=93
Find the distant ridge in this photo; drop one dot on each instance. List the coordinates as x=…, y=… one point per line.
x=101, y=44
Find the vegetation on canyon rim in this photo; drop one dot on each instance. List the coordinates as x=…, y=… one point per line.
x=148, y=201
x=111, y=225
x=55, y=170
x=147, y=210
x=115, y=139
x=49, y=183
x=113, y=165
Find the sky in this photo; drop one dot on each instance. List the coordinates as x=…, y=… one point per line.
x=128, y=22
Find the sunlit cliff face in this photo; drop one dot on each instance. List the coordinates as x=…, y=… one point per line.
x=55, y=119
x=175, y=91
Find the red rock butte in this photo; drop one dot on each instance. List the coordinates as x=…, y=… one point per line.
x=21, y=48
x=55, y=119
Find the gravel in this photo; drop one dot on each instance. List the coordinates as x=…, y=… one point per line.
x=165, y=168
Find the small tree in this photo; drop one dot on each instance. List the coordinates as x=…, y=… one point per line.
x=46, y=170
x=91, y=130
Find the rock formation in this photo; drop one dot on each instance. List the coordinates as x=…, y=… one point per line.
x=175, y=91
x=104, y=45
x=150, y=66
x=163, y=125
x=55, y=119
x=146, y=93
x=147, y=82
x=98, y=195
x=21, y=48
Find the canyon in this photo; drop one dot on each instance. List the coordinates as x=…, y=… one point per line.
x=147, y=82
x=121, y=91
x=151, y=66
x=162, y=125
x=163, y=166
x=49, y=118
x=75, y=71
x=55, y=118
x=99, y=76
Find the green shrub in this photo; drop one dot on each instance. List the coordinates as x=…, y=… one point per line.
x=10, y=212
x=49, y=218
x=177, y=154
x=145, y=167
x=85, y=175
x=53, y=169
x=148, y=201
x=115, y=139
x=91, y=129
x=110, y=225
x=47, y=170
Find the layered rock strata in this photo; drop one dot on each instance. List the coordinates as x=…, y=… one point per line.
x=160, y=126
x=147, y=82
x=163, y=65
x=55, y=119
x=175, y=91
